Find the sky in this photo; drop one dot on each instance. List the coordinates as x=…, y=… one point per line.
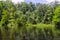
x=16, y=1
x=34, y=1
x=37, y=1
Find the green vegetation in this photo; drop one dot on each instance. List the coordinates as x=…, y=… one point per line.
x=26, y=21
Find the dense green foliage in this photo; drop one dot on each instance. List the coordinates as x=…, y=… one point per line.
x=26, y=21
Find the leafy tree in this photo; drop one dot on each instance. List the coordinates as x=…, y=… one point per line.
x=56, y=17
x=22, y=7
x=31, y=7
x=22, y=20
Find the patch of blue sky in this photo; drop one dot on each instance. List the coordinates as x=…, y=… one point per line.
x=36, y=1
